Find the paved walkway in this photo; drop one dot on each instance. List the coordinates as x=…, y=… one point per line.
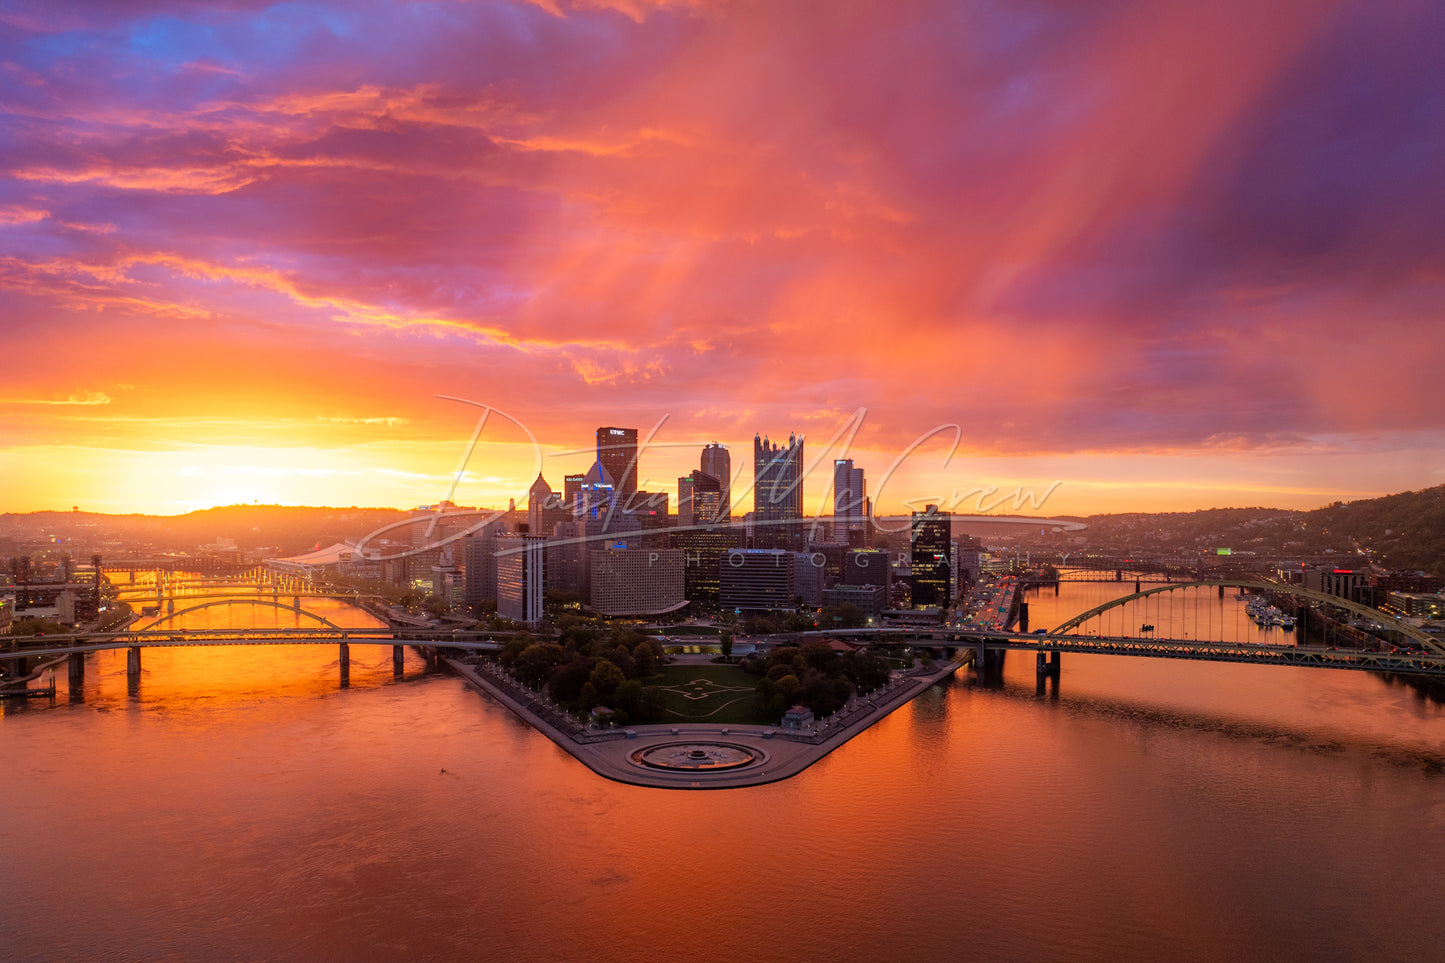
x=779, y=753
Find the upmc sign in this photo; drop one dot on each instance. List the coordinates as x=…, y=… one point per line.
x=616, y=431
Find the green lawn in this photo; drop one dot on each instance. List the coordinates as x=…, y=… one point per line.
x=715, y=694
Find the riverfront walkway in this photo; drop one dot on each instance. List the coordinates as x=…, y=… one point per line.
x=778, y=753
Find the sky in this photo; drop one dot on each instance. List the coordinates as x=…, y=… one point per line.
x=1037, y=256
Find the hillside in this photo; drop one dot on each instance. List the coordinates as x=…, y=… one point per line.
x=1403, y=531
x=287, y=529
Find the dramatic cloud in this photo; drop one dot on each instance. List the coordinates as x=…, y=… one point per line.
x=1195, y=237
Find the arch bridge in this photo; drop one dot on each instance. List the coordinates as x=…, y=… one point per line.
x=75, y=646
x=1415, y=651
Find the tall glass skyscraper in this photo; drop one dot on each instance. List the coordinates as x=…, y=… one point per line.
x=850, y=501
x=932, y=557
x=777, y=492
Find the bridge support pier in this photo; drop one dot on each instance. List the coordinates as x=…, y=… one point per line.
x=76, y=678
x=345, y=665
x=989, y=665
x=1221, y=590
x=398, y=660
x=132, y=661
x=1023, y=616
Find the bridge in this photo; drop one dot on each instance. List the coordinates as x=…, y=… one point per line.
x=75, y=646
x=1106, y=629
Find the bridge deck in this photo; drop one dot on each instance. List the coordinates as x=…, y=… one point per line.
x=1189, y=649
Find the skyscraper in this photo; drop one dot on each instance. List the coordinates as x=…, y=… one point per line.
x=595, y=498
x=521, y=577
x=544, y=508
x=850, y=501
x=699, y=499
x=777, y=492
x=717, y=463
x=617, y=451
x=572, y=492
x=932, y=557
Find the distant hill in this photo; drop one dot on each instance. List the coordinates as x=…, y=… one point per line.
x=290, y=530
x=1404, y=531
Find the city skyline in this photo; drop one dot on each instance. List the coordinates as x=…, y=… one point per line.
x=1166, y=258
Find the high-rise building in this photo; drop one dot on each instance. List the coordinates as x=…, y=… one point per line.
x=617, y=451
x=717, y=463
x=777, y=492
x=544, y=508
x=567, y=566
x=850, y=502
x=637, y=581
x=595, y=495
x=479, y=564
x=757, y=580
x=932, y=561
x=650, y=511
x=808, y=577
x=572, y=492
x=869, y=566
x=703, y=551
x=699, y=499
x=521, y=577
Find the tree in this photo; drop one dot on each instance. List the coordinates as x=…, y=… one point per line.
x=727, y=645
x=537, y=662
x=789, y=688
x=622, y=658
x=798, y=622
x=605, y=678
x=630, y=701
x=645, y=659
x=845, y=616
x=568, y=681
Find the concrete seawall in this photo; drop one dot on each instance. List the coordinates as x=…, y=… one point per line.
x=777, y=753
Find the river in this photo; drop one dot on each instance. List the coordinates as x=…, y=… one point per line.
x=240, y=805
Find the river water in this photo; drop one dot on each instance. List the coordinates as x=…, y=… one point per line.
x=240, y=805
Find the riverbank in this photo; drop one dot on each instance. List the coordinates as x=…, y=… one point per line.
x=775, y=753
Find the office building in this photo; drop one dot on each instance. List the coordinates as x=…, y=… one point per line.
x=850, y=503
x=808, y=577
x=867, y=566
x=871, y=600
x=595, y=494
x=756, y=580
x=521, y=578
x=718, y=463
x=479, y=565
x=617, y=451
x=572, y=492
x=637, y=581
x=699, y=499
x=1346, y=583
x=932, y=558
x=777, y=493
x=703, y=551
x=567, y=563
x=544, y=508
